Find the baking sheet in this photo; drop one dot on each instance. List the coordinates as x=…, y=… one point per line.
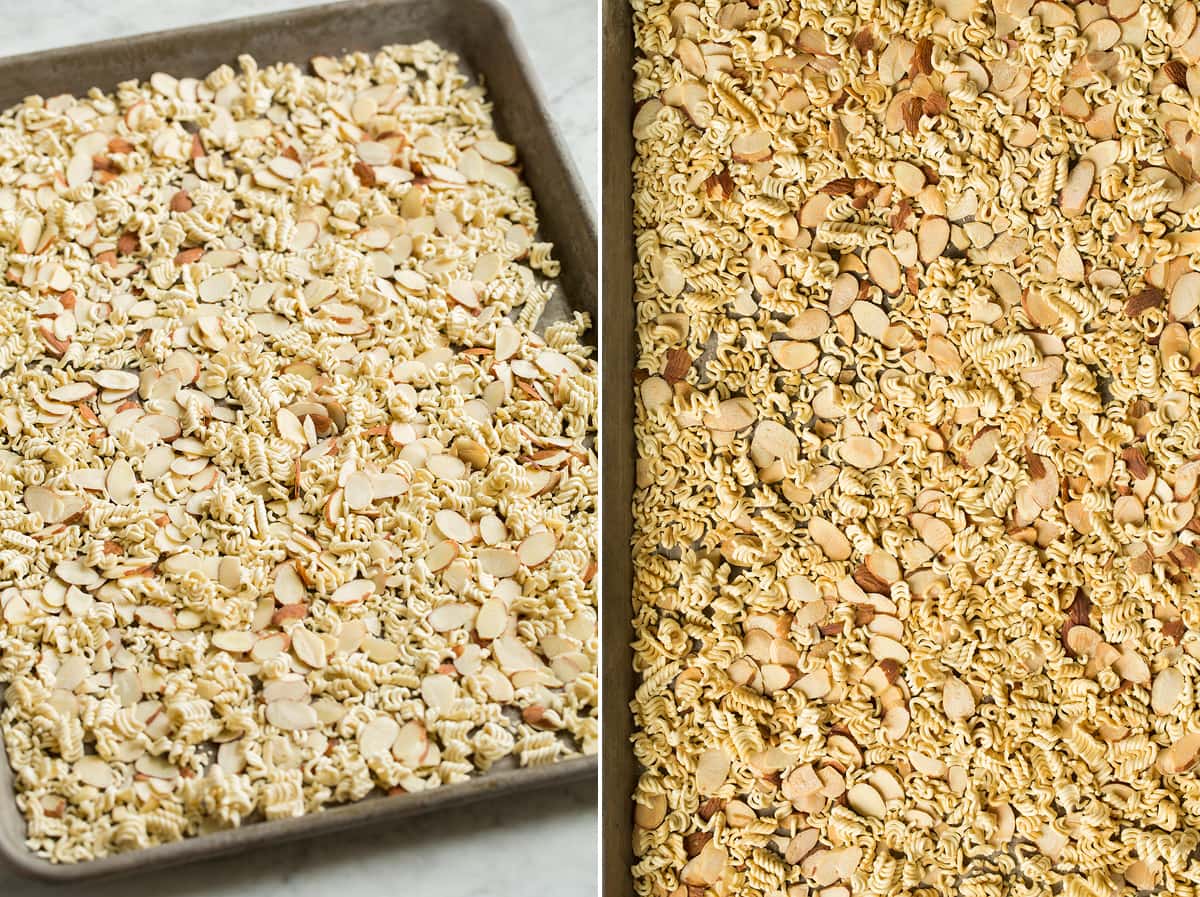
x=616, y=373
x=481, y=32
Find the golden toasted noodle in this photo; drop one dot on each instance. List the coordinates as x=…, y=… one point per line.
x=915, y=598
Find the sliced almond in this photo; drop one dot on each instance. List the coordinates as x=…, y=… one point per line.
x=291, y=715
x=958, y=701
x=309, y=647
x=537, y=548
x=1185, y=296
x=829, y=538
x=353, y=592
x=121, y=482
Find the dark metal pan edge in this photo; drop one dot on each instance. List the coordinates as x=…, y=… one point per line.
x=617, y=343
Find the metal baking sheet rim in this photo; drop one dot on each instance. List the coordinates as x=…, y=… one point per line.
x=482, y=33
x=616, y=372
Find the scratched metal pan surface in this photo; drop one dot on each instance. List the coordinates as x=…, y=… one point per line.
x=482, y=34
x=616, y=371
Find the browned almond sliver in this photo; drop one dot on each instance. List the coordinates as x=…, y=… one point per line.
x=677, y=366
x=884, y=270
x=1185, y=296
x=732, y=414
x=1075, y=193
x=1144, y=300
x=1135, y=461
x=829, y=538
x=1181, y=755
x=752, y=147
x=1078, y=614
x=958, y=702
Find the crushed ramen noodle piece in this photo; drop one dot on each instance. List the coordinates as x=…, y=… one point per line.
x=918, y=425
x=296, y=505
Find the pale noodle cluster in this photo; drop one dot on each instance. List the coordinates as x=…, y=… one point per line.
x=297, y=494
x=918, y=430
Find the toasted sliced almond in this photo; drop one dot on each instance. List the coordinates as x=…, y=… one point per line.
x=829, y=538
x=958, y=702
x=1185, y=296
x=862, y=452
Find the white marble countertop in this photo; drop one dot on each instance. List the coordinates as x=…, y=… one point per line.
x=538, y=845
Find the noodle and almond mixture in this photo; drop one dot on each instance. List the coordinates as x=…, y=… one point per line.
x=296, y=504
x=918, y=423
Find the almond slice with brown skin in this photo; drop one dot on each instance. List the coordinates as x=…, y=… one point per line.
x=537, y=548
x=453, y=525
x=289, y=427
x=441, y=555
x=1074, y=196
x=492, y=620
x=411, y=744
x=829, y=538
x=866, y=801
x=933, y=235
x=884, y=270
x=1180, y=756
x=448, y=617
x=158, y=617
x=389, y=485
x=983, y=447
x=353, y=592
x=1185, y=296
x=793, y=355
x=289, y=587
x=732, y=415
